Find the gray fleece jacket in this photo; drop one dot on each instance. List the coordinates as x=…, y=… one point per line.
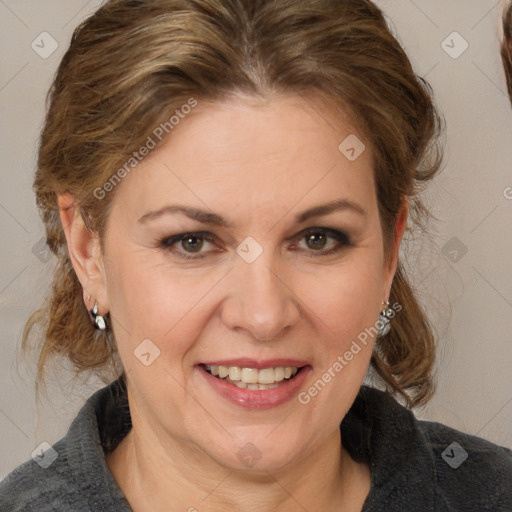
x=416, y=466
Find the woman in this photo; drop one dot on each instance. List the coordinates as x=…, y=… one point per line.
x=226, y=185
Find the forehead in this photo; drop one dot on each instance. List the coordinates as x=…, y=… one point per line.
x=258, y=154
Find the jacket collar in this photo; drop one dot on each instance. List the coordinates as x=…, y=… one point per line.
x=387, y=436
x=376, y=430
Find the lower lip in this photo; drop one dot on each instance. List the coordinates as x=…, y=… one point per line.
x=257, y=399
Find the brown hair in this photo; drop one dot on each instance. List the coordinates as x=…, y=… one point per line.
x=134, y=62
x=506, y=47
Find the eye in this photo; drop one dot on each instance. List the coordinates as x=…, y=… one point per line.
x=188, y=245
x=316, y=240
x=324, y=241
x=192, y=243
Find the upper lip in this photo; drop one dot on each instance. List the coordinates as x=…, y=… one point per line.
x=257, y=363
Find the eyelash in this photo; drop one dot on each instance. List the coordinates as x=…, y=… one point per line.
x=167, y=243
x=342, y=239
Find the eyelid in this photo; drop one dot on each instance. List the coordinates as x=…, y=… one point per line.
x=209, y=237
x=169, y=242
x=334, y=233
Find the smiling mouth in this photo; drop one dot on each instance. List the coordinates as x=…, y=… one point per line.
x=253, y=378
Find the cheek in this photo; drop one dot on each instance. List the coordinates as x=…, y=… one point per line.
x=150, y=300
x=344, y=300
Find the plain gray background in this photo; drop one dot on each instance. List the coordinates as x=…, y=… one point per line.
x=463, y=275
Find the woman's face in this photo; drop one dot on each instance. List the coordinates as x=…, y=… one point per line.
x=282, y=266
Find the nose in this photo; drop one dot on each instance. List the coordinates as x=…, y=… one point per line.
x=261, y=303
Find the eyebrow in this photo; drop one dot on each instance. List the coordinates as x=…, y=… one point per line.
x=213, y=219
x=193, y=213
x=332, y=206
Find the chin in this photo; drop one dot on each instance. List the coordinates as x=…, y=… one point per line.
x=261, y=453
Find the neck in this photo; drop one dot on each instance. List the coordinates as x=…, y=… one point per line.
x=156, y=477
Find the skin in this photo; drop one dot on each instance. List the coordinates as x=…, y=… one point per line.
x=257, y=163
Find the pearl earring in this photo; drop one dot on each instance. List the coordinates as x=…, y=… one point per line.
x=99, y=321
x=384, y=321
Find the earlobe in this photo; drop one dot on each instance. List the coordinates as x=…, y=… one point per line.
x=84, y=252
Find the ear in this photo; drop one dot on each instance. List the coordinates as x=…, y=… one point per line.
x=392, y=261
x=84, y=252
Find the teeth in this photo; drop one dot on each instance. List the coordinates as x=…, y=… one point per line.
x=235, y=373
x=279, y=373
x=252, y=378
x=249, y=376
x=266, y=376
x=253, y=387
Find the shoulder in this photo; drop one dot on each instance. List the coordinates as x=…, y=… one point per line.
x=73, y=473
x=422, y=465
x=41, y=486
x=60, y=486
x=469, y=469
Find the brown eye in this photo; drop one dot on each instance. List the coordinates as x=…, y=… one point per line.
x=323, y=241
x=192, y=244
x=316, y=241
